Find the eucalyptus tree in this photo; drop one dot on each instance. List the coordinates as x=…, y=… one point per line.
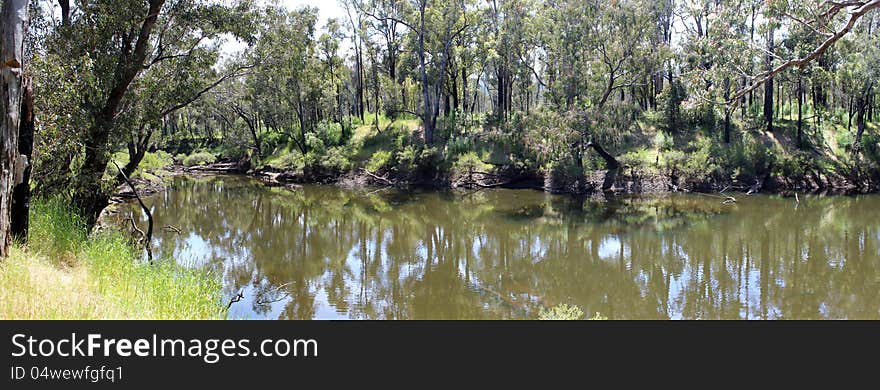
x=328, y=46
x=124, y=50
x=600, y=48
x=13, y=24
x=288, y=89
x=717, y=53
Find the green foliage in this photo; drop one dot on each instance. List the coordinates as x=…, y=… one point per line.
x=663, y=141
x=155, y=161
x=408, y=158
x=470, y=162
x=178, y=158
x=563, y=312
x=844, y=140
x=199, y=158
x=378, y=160
x=794, y=167
x=670, y=100
x=694, y=167
x=337, y=159
x=639, y=162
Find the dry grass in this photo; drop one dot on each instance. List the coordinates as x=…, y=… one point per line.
x=32, y=287
x=65, y=274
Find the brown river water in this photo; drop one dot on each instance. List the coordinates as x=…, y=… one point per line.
x=322, y=252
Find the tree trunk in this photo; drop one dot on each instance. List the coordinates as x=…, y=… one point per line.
x=861, y=107
x=21, y=194
x=850, y=115
x=610, y=162
x=89, y=196
x=13, y=23
x=427, y=114
x=800, y=122
x=65, y=12
x=768, y=86
x=726, y=111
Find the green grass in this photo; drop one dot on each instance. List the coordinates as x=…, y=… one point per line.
x=63, y=273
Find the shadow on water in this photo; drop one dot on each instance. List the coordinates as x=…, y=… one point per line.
x=325, y=252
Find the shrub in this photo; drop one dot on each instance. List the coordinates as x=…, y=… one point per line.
x=199, y=158
x=378, y=160
x=154, y=161
x=336, y=160
x=663, y=141
x=407, y=158
x=844, y=140
x=469, y=162
x=695, y=167
x=638, y=162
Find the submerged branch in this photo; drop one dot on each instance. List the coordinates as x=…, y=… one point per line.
x=149, y=235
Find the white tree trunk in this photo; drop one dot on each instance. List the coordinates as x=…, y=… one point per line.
x=13, y=21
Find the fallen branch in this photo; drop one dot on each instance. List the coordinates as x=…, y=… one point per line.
x=136, y=229
x=377, y=177
x=272, y=291
x=148, y=237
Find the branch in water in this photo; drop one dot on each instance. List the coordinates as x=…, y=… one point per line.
x=149, y=236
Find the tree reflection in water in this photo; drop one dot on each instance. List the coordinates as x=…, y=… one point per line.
x=325, y=252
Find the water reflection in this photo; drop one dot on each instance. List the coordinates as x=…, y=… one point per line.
x=323, y=252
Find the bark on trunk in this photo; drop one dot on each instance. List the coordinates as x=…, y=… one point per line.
x=800, y=121
x=768, y=86
x=13, y=22
x=90, y=196
x=21, y=194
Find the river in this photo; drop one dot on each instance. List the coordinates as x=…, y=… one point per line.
x=322, y=252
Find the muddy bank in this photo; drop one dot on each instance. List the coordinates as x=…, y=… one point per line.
x=621, y=182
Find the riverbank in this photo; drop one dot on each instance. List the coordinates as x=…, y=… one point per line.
x=625, y=180
x=66, y=273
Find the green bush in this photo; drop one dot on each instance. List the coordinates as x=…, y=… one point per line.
x=155, y=161
x=378, y=160
x=845, y=140
x=663, y=141
x=336, y=160
x=469, y=162
x=199, y=158
x=408, y=159
x=638, y=162
x=692, y=168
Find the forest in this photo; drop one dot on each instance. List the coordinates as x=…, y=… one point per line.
x=565, y=96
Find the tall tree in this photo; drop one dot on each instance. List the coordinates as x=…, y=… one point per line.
x=13, y=26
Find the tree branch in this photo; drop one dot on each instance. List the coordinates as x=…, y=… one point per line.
x=863, y=8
